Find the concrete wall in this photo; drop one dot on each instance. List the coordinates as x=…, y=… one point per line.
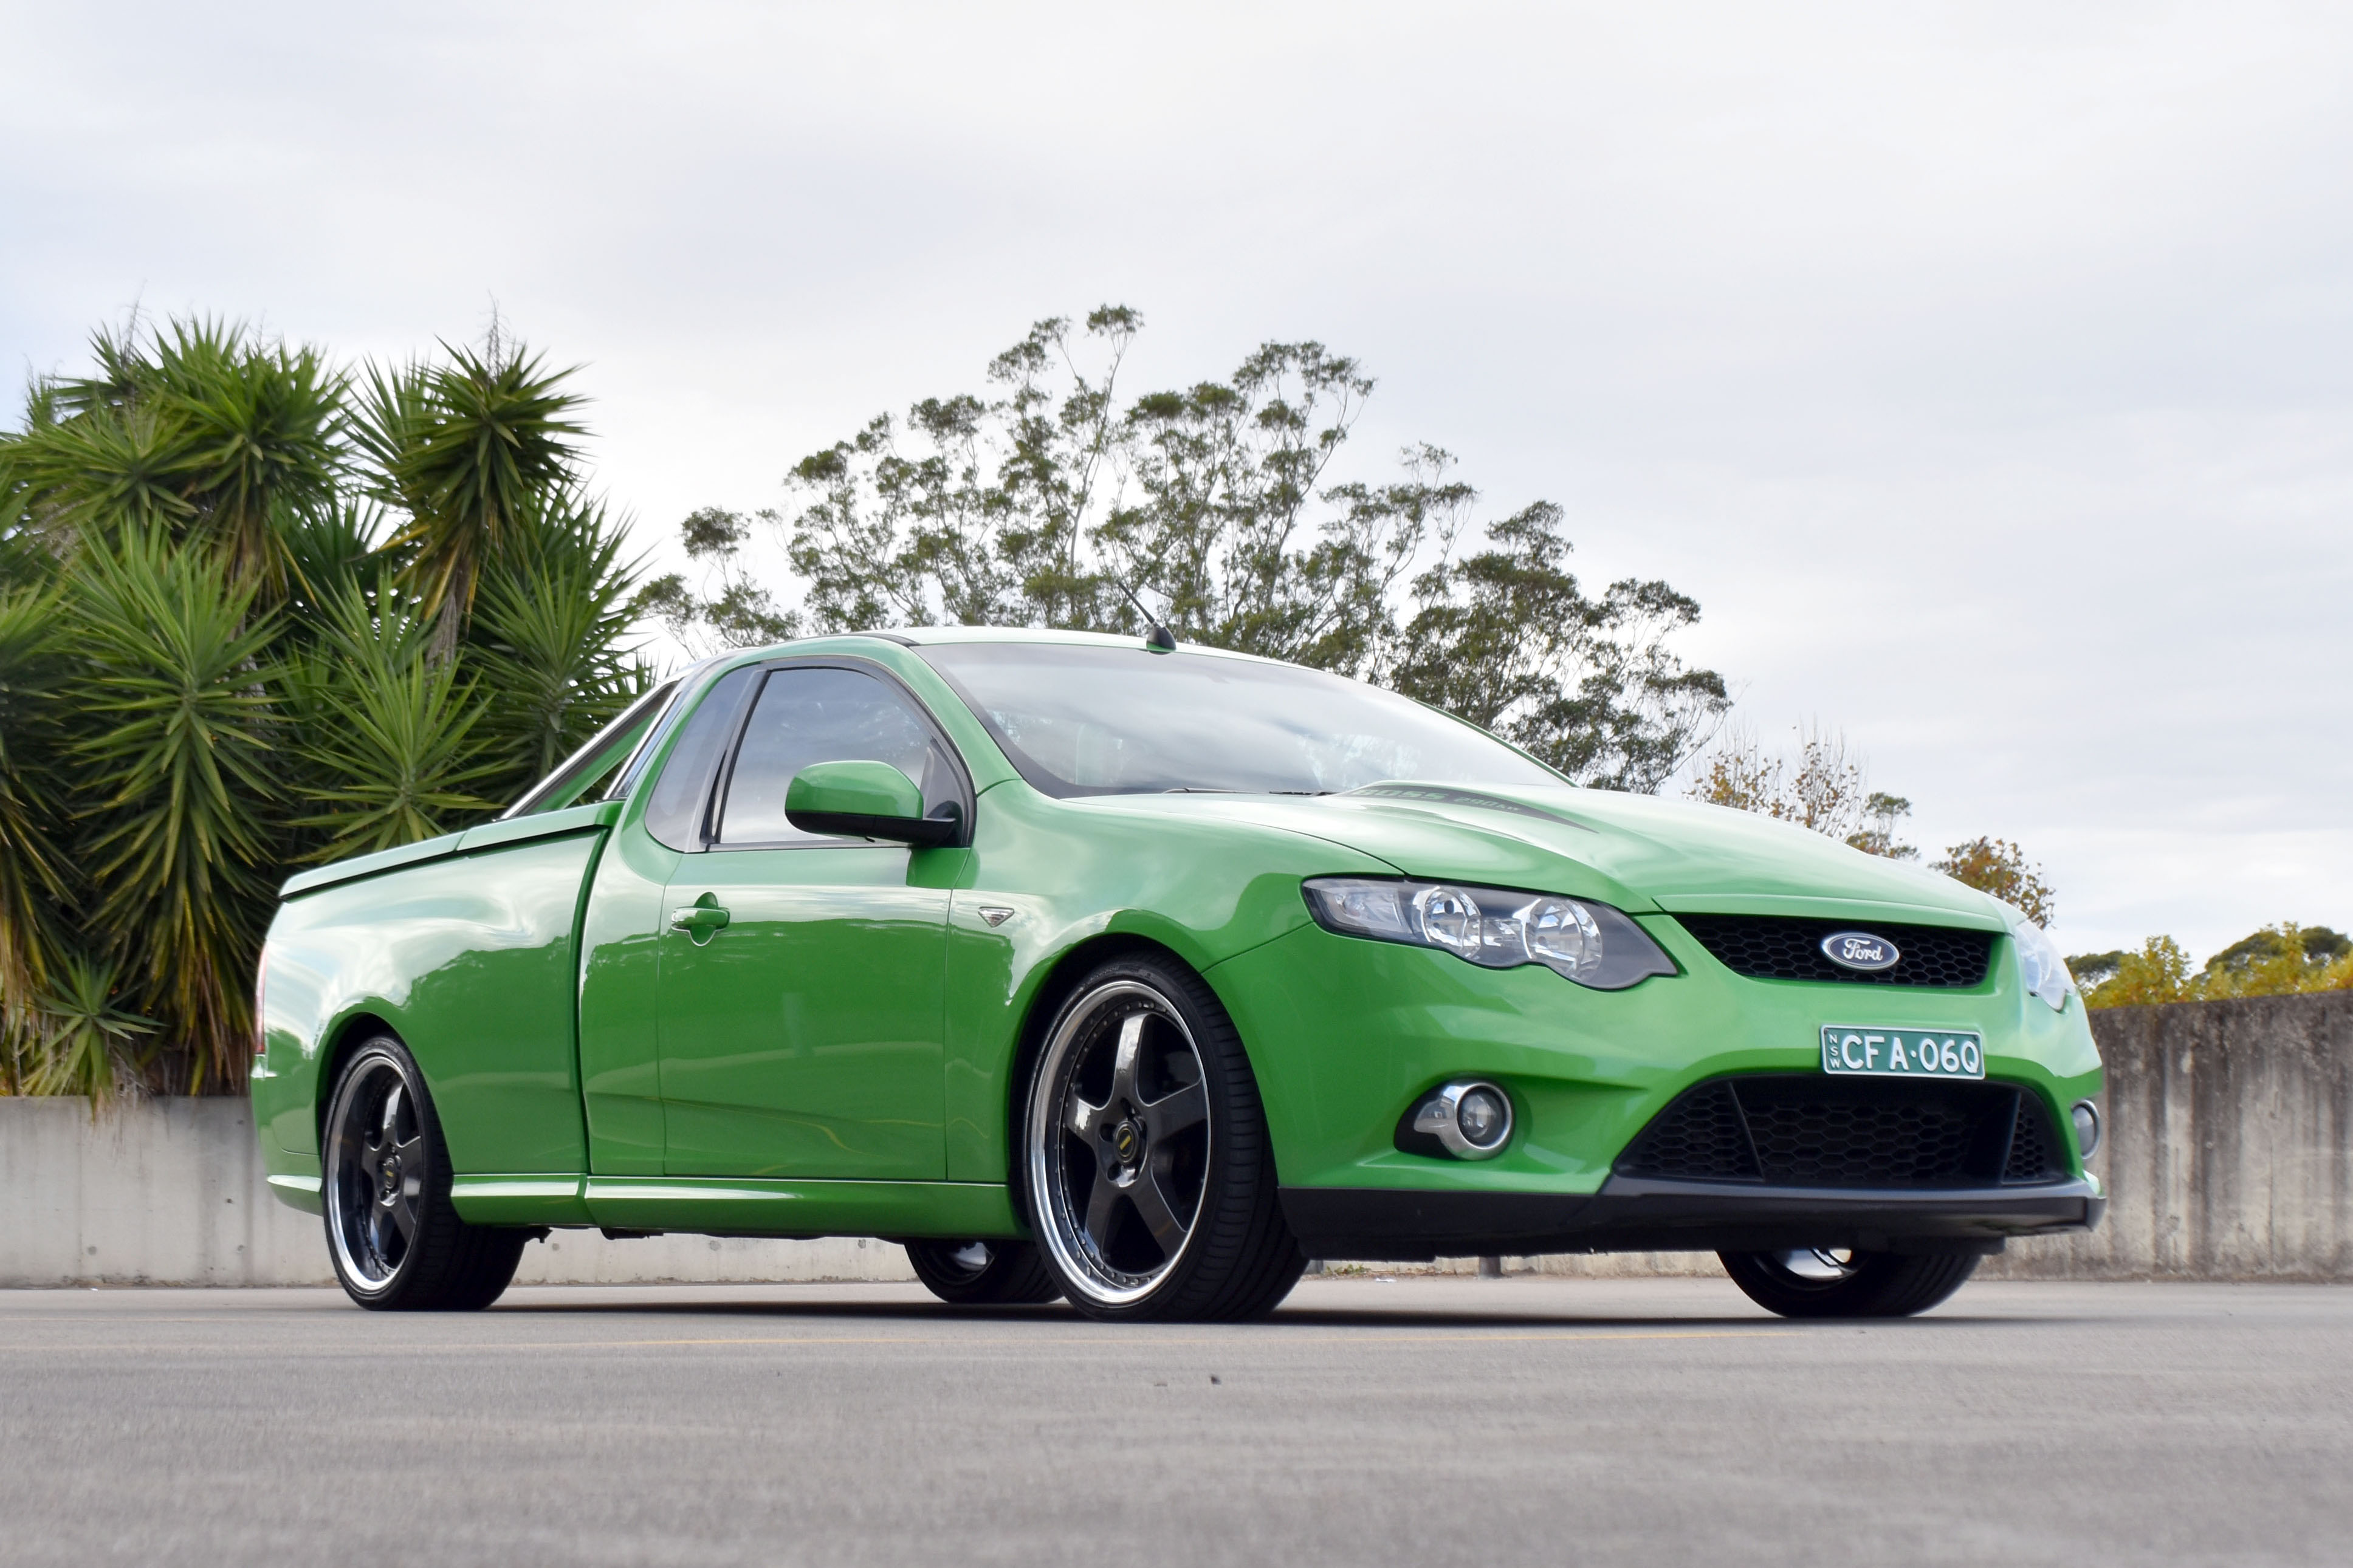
x=2229, y=1155
x=170, y=1192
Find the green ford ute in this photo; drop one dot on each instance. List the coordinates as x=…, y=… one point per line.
x=1139, y=976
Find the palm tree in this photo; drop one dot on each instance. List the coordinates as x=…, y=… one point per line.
x=174, y=765
x=212, y=671
x=465, y=448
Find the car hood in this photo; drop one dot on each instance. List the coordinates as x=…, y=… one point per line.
x=1636, y=852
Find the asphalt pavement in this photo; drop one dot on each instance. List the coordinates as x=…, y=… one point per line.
x=1416, y=1421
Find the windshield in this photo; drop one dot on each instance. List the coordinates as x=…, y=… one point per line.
x=1113, y=720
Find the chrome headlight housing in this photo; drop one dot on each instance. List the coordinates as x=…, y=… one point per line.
x=2040, y=964
x=1495, y=928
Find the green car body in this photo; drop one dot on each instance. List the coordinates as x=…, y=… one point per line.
x=837, y=1043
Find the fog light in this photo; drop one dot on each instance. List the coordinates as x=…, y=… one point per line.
x=2087, y=1118
x=1472, y=1120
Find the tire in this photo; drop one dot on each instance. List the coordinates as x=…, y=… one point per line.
x=1146, y=1169
x=395, y=1240
x=1826, y=1284
x=984, y=1273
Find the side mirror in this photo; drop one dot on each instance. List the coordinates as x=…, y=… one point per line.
x=870, y=800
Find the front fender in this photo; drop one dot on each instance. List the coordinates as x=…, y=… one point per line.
x=1061, y=874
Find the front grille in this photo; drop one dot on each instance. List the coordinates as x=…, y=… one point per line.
x=1771, y=947
x=1807, y=1130
x=2032, y=1155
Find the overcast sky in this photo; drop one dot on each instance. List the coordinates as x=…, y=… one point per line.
x=1986, y=371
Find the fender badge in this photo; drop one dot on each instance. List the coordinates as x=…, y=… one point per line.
x=1861, y=950
x=994, y=915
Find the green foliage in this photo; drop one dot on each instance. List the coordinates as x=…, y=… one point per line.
x=1825, y=789
x=33, y=860
x=88, y=1041
x=1055, y=500
x=389, y=743
x=1999, y=867
x=238, y=631
x=2282, y=960
x=202, y=433
x=738, y=612
x=550, y=638
x=466, y=447
x=172, y=765
x=2160, y=972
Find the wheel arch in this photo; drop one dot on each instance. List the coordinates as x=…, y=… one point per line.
x=345, y=1037
x=1060, y=976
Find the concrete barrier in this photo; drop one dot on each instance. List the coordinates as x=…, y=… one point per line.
x=170, y=1192
x=2229, y=1155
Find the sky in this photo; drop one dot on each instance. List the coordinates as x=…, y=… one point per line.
x=1984, y=370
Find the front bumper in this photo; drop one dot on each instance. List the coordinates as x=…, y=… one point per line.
x=1630, y=1215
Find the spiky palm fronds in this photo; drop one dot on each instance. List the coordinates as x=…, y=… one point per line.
x=550, y=633
x=201, y=429
x=263, y=428
x=389, y=743
x=84, y=1040
x=176, y=777
x=35, y=866
x=466, y=447
x=329, y=549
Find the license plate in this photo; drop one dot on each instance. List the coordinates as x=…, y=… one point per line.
x=1901, y=1053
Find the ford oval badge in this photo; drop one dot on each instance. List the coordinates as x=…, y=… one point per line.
x=1859, y=950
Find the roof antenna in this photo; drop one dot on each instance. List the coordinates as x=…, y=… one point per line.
x=1157, y=638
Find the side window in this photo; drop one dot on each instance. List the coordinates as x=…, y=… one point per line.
x=674, y=811
x=816, y=715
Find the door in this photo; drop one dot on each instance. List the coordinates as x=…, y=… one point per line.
x=802, y=994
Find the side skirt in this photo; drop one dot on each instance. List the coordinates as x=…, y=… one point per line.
x=729, y=1205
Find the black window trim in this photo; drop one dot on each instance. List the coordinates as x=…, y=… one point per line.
x=649, y=709
x=714, y=789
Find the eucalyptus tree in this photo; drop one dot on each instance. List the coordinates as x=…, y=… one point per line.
x=1218, y=509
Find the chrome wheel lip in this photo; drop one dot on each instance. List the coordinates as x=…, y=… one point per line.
x=1056, y=1226
x=352, y=1190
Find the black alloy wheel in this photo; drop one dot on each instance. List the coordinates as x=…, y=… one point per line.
x=991, y=1273
x=1824, y=1282
x=1147, y=1169
x=395, y=1239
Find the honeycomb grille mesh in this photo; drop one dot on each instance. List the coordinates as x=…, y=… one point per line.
x=1801, y=1131
x=1769, y=947
x=2032, y=1154
x=1700, y=1133
x=1829, y=1140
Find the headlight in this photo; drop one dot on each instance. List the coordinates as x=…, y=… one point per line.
x=1495, y=928
x=2040, y=966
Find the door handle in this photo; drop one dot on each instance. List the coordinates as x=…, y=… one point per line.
x=700, y=920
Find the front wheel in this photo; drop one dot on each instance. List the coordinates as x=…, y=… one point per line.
x=396, y=1240
x=1147, y=1168
x=1821, y=1282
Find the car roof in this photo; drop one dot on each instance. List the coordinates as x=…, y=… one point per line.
x=923, y=637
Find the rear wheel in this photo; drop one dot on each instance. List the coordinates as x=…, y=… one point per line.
x=397, y=1241
x=1833, y=1283
x=983, y=1273
x=1147, y=1168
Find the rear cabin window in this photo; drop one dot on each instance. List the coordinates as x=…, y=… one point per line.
x=674, y=811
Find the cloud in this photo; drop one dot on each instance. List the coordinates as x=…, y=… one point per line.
x=1984, y=370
